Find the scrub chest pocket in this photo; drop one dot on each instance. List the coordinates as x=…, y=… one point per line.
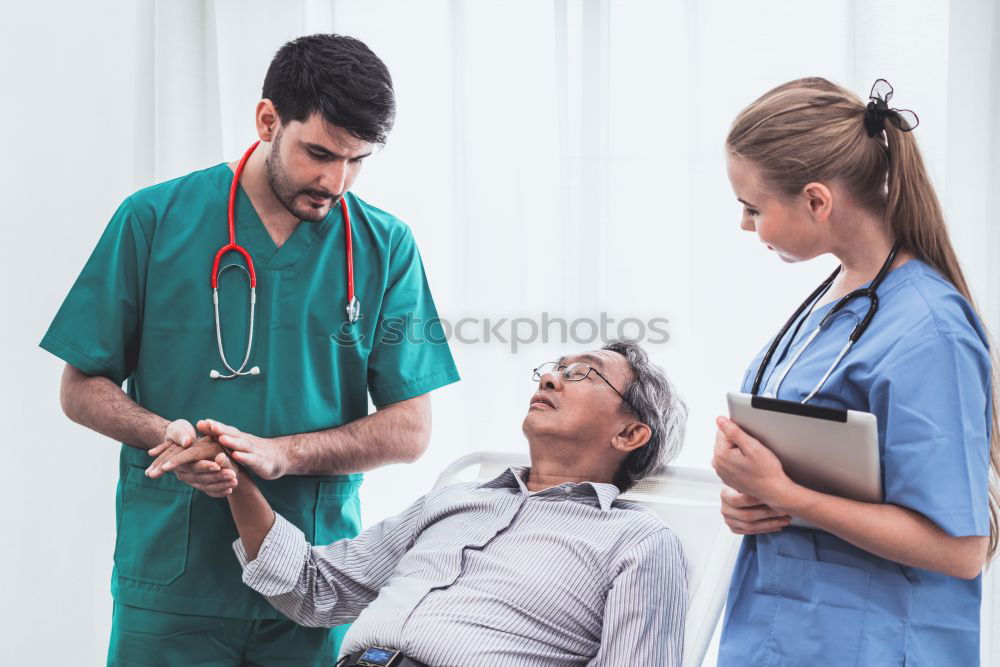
x=148, y=507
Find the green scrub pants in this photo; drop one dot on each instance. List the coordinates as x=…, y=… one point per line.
x=155, y=638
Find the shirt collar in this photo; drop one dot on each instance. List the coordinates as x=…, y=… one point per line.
x=515, y=477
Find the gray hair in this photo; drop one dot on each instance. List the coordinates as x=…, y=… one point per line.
x=655, y=403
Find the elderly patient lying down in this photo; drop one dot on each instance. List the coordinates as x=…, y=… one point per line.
x=542, y=565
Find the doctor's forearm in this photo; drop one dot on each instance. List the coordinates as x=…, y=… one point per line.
x=397, y=433
x=890, y=531
x=99, y=404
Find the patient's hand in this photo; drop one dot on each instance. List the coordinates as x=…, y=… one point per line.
x=204, y=464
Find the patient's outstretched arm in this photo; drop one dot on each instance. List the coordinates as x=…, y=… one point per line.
x=316, y=586
x=251, y=512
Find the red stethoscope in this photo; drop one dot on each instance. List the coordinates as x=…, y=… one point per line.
x=353, y=305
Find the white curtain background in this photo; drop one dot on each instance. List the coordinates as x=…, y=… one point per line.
x=560, y=157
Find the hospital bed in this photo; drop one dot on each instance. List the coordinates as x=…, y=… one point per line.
x=686, y=500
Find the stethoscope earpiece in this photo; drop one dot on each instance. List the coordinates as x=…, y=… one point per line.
x=216, y=375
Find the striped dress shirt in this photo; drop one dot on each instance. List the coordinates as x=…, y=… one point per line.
x=491, y=574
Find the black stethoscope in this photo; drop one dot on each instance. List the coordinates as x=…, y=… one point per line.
x=859, y=329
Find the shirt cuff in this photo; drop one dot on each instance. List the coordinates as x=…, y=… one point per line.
x=279, y=562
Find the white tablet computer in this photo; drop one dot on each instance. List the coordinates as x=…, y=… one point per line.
x=824, y=449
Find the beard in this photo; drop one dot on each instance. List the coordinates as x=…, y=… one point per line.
x=288, y=193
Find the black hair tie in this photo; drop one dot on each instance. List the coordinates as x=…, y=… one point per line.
x=878, y=111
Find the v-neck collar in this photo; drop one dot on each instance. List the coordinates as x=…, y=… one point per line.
x=855, y=308
x=253, y=235
x=892, y=279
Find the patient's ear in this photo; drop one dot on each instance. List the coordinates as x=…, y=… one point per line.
x=632, y=436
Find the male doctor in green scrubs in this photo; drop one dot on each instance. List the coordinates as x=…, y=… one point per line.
x=142, y=311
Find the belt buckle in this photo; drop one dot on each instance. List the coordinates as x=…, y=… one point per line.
x=378, y=656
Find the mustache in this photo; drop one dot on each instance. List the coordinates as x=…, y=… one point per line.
x=320, y=195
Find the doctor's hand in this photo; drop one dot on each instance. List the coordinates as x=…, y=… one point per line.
x=744, y=464
x=203, y=465
x=178, y=435
x=260, y=455
x=180, y=432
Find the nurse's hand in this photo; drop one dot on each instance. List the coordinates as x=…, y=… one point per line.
x=260, y=455
x=746, y=515
x=743, y=463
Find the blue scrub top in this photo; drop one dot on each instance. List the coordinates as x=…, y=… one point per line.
x=806, y=597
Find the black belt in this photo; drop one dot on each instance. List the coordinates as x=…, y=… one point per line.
x=378, y=656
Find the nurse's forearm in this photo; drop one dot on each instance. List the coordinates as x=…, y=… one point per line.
x=397, y=433
x=99, y=404
x=253, y=516
x=890, y=531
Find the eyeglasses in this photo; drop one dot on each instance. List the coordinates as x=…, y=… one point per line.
x=574, y=373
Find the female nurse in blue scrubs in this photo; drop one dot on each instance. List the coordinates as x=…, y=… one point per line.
x=819, y=171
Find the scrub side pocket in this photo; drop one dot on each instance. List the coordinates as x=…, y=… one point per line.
x=153, y=525
x=819, y=613
x=338, y=511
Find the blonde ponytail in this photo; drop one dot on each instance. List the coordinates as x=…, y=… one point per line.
x=915, y=218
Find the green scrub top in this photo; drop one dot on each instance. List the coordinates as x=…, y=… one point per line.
x=141, y=311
